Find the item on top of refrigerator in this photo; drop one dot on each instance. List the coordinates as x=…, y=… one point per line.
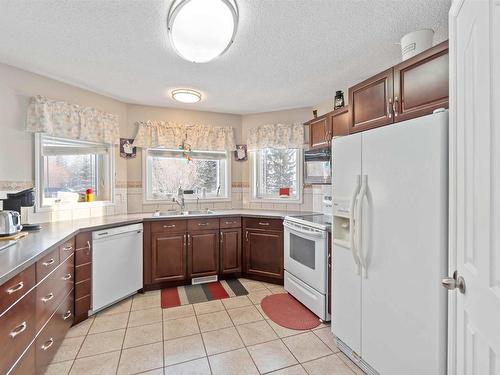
x=338, y=102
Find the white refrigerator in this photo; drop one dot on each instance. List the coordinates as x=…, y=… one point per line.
x=390, y=189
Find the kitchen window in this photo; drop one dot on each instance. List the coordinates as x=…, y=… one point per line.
x=207, y=173
x=66, y=168
x=275, y=172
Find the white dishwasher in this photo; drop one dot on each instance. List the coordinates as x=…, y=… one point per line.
x=116, y=264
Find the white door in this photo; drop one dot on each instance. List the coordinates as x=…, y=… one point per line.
x=474, y=342
x=346, y=282
x=404, y=246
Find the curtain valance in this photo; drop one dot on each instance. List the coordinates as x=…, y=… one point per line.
x=66, y=120
x=171, y=135
x=278, y=136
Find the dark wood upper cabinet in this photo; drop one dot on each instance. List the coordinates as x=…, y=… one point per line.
x=230, y=250
x=320, y=133
x=339, y=121
x=168, y=260
x=371, y=102
x=421, y=83
x=203, y=253
x=264, y=253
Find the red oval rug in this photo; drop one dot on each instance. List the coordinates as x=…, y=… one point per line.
x=286, y=311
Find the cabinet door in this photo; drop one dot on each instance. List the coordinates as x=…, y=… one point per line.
x=203, y=253
x=339, y=121
x=371, y=102
x=168, y=261
x=264, y=253
x=319, y=132
x=230, y=250
x=421, y=83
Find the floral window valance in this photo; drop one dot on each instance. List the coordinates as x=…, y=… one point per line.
x=278, y=136
x=152, y=134
x=62, y=119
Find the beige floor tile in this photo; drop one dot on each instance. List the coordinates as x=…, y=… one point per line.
x=213, y=321
x=256, y=332
x=278, y=290
x=120, y=307
x=283, y=331
x=252, y=285
x=331, y=365
x=350, y=364
x=143, y=317
x=183, y=349
x=271, y=356
x=143, y=335
x=180, y=327
x=326, y=335
x=69, y=349
x=306, y=346
x=246, y=314
x=81, y=329
x=102, y=364
x=196, y=367
x=270, y=285
x=60, y=368
x=236, y=362
x=321, y=326
x=146, y=302
x=222, y=340
x=259, y=307
x=158, y=371
x=178, y=312
x=141, y=358
x=235, y=302
x=293, y=370
x=102, y=343
x=105, y=323
x=208, y=307
x=257, y=296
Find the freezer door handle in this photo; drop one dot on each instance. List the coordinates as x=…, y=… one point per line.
x=359, y=224
x=352, y=226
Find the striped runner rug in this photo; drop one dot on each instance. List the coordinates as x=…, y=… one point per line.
x=188, y=294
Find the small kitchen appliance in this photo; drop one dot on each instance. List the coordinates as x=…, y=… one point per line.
x=24, y=198
x=10, y=223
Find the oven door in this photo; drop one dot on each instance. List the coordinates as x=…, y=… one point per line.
x=306, y=252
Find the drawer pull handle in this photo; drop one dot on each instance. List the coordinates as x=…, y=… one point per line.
x=19, y=329
x=230, y=222
x=48, y=297
x=49, y=262
x=263, y=223
x=203, y=224
x=169, y=226
x=88, y=248
x=47, y=344
x=15, y=288
x=67, y=277
x=67, y=315
x=68, y=248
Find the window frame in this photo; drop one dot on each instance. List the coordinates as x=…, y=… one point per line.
x=109, y=176
x=255, y=175
x=145, y=181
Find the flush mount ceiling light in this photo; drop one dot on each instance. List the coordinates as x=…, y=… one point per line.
x=186, y=96
x=201, y=30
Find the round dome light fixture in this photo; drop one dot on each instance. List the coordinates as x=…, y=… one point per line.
x=201, y=30
x=186, y=95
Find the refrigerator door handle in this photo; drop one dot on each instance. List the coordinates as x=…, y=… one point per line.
x=359, y=224
x=352, y=225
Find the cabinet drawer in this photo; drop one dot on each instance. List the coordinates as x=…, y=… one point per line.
x=16, y=287
x=52, y=290
x=82, y=289
x=50, y=338
x=83, y=255
x=265, y=224
x=47, y=264
x=203, y=224
x=17, y=329
x=230, y=222
x=172, y=226
x=83, y=272
x=83, y=240
x=82, y=307
x=66, y=249
x=26, y=364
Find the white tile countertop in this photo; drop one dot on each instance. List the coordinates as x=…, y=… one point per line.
x=28, y=250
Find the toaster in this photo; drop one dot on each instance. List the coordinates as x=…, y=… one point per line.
x=10, y=223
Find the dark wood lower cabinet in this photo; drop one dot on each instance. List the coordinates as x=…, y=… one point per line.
x=83, y=275
x=26, y=364
x=203, y=253
x=168, y=261
x=264, y=253
x=230, y=250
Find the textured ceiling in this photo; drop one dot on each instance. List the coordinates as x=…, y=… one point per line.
x=287, y=53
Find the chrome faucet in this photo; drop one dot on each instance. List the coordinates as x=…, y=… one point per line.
x=180, y=199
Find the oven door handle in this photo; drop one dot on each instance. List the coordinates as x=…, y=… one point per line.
x=297, y=229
